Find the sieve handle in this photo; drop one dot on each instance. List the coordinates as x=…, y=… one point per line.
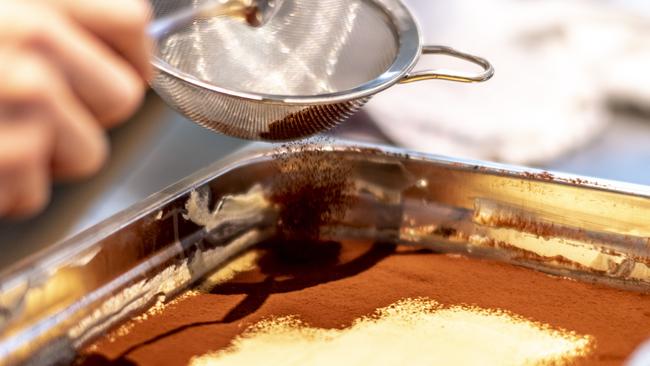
x=451, y=75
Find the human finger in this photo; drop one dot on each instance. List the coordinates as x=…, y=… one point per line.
x=106, y=83
x=79, y=145
x=25, y=145
x=120, y=23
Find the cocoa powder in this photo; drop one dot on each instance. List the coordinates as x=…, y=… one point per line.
x=312, y=188
x=339, y=283
x=300, y=124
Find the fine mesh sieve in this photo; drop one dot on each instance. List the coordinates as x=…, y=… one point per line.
x=309, y=67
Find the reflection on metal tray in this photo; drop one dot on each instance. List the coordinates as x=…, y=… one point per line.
x=58, y=300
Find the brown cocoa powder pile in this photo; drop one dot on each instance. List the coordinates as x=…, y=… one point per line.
x=339, y=283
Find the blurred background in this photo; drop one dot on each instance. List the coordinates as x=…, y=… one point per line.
x=571, y=93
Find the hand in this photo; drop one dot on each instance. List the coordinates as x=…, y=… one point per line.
x=68, y=70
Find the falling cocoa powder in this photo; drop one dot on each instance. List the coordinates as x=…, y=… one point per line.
x=312, y=188
x=343, y=282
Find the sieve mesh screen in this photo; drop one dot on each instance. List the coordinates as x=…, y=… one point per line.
x=308, y=48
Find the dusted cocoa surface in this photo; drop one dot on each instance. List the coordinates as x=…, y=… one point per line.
x=331, y=285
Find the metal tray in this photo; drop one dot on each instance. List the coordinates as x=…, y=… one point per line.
x=58, y=300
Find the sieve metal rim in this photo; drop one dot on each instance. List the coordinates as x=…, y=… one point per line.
x=410, y=47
